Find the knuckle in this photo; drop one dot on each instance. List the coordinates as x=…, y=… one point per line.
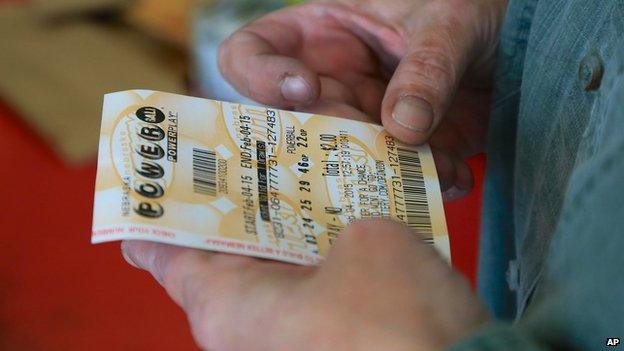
x=430, y=64
x=430, y=73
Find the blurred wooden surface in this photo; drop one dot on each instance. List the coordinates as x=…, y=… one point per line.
x=59, y=58
x=165, y=19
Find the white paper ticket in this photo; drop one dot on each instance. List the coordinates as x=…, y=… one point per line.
x=253, y=180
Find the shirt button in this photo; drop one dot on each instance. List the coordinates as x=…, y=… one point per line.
x=591, y=72
x=513, y=275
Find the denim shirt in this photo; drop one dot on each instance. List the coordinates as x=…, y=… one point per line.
x=543, y=125
x=552, y=244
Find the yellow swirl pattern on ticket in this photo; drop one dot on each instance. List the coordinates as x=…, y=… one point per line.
x=253, y=180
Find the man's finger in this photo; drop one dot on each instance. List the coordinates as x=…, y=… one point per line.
x=259, y=62
x=170, y=265
x=374, y=247
x=426, y=80
x=463, y=181
x=456, y=179
x=183, y=271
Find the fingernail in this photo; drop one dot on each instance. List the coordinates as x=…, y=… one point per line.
x=453, y=193
x=413, y=113
x=295, y=88
x=126, y=256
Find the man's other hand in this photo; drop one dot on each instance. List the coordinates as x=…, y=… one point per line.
x=381, y=288
x=421, y=67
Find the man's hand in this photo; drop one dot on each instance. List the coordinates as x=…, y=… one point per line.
x=418, y=66
x=381, y=288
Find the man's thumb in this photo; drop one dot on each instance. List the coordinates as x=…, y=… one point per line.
x=425, y=82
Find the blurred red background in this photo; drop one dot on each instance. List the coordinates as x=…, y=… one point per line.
x=59, y=292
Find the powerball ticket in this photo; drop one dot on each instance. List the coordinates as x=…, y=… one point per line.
x=253, y=180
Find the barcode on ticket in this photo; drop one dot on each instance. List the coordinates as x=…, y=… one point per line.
x=416, y=204
x=204, y=172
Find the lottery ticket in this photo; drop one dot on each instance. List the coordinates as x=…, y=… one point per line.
x=253, y=180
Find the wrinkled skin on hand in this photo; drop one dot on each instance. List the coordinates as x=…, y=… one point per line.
x=359, y=59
